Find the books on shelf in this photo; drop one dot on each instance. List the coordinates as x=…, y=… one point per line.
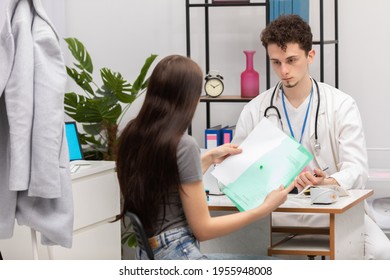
x=227, y=134
x=212, y=137
x=218, y=135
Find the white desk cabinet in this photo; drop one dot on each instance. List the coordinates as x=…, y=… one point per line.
x=96, y=198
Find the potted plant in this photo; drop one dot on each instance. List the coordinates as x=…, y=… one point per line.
x=100, y=109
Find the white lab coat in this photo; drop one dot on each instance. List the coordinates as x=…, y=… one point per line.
x=343, y=151
x=340, y=134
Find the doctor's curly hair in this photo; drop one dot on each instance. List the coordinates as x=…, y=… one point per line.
x=288, y=29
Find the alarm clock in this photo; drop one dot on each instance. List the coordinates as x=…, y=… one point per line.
x=214, y=85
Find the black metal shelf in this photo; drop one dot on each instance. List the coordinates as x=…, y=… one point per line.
x=206, y=7
x=221, y=99
x=325, y=42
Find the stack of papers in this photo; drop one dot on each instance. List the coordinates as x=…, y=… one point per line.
x=270, y=158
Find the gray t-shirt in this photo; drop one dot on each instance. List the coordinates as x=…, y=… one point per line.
x=190, y=170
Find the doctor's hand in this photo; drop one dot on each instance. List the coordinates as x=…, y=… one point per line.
x=218, y=154
x=307, y=178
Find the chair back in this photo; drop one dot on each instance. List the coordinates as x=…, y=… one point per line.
x=142, y=239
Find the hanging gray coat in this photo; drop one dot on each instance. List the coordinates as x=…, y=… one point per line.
x=35, y=182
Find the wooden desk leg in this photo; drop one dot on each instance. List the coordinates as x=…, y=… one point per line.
x=347, y=234
x=332, y=236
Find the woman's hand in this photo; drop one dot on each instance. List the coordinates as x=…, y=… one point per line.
x=218, y=154
x=277, y=197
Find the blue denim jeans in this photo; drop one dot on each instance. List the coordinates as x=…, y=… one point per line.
x=181, y=244
x=174, y=244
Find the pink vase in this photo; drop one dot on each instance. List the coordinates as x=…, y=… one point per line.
x=249, y=78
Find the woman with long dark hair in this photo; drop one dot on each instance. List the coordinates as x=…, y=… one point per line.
x=160, y=168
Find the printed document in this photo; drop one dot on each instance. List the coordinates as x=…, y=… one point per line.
x=270, y=158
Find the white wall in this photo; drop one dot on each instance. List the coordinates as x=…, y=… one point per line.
x=120, y=34
x=364, y=69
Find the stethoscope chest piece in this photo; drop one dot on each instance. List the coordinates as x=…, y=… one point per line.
x=317, y=147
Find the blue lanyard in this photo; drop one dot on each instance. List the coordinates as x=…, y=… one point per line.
x=288, y=119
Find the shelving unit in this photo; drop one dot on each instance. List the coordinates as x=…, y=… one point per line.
x=206, y=7
x=266, y=5
x=322, y=42
x=221, y=99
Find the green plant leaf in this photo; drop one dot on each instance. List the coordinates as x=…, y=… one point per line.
x=85, y=110
x=108, y=95
x=130, y=239
x=81, y=54
x=92, y=128
x=114, y=82
x=139, y=83
x=93, y=145
x=82, y=79
x=97, y=110
x=91, y=140
x=100, y=110
x=126, y=98
x=72, y=102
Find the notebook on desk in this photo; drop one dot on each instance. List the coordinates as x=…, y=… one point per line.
x=74, y=147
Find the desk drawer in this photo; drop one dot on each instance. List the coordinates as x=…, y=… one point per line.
x=96, y=198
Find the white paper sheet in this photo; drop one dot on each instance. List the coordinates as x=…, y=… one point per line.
x=262, y=139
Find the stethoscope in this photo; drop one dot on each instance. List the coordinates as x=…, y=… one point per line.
x=271, y=106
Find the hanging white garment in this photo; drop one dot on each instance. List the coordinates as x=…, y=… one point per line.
x=37, y=180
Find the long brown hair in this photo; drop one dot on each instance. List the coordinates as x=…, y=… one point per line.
x=146, y=162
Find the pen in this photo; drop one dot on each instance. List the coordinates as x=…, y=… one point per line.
x=326, y=168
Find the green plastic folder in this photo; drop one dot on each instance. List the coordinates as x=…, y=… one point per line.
x=278, y=166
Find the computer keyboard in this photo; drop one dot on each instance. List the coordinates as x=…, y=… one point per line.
x=74, y=168
x=76, y=164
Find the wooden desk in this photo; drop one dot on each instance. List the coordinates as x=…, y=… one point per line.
x=221, y=203
x=344, y=239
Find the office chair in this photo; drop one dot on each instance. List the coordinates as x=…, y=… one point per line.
x=142, y=239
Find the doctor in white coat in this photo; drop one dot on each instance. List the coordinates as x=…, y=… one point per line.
x=322, y=118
